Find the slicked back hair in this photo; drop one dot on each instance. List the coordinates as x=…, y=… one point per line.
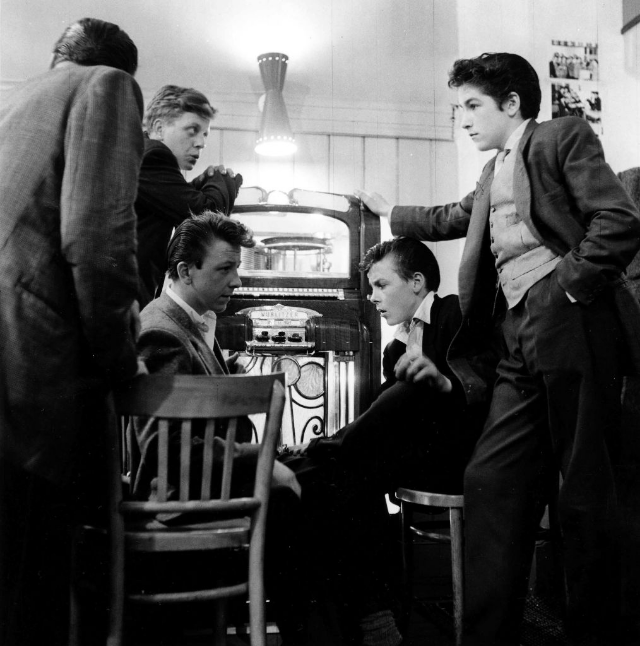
x=90, y=41
x=192, y=238
x=410, y=256
x=497, y=75
x=171, y=101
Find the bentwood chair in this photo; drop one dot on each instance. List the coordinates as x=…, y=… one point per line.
x=432, y=530
x=181, y=405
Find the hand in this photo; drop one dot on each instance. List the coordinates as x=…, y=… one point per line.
x=421, y=368
x=375, y=202
x=283, y=476
x=212, y=170
x=233, y=366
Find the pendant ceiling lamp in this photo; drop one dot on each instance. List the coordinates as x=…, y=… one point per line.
x=275, y=137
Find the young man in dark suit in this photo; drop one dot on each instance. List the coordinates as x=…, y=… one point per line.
x=176, y=126
x=550, y=225
x=70, y=150
x=418, y=433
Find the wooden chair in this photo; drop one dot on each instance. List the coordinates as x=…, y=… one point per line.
x=432, y=530
x=133, y=524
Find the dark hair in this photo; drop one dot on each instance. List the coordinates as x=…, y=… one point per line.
x=90, y=41
x=193, y=236
x=171, y=101
x=410, y=255
x=497, y=75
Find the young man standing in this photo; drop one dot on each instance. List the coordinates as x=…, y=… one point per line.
x=70, y=150
x=552, y=227
x=176, y=125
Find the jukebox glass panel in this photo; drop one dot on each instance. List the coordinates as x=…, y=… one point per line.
x=294, y=244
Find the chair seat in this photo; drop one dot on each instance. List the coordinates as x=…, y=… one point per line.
x=430, y=499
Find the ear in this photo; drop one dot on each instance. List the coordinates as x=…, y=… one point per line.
x=184, y=272
x=419, y=282
x=156, y=131
x=512, y=104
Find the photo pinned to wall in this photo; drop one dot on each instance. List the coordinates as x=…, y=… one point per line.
x=574, y=71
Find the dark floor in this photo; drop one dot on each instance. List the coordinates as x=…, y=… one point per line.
x=431, y=620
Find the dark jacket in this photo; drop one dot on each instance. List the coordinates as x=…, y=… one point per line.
x=572, y=202
x=164, y=200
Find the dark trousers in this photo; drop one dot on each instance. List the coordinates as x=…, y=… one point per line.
x=34, y=559
x=556, y=406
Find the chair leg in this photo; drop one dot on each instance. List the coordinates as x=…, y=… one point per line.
x=74, y=600
x=407, y=564
x=457, y=570
x=220, y=625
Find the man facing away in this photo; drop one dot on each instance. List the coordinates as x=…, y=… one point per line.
x=551, y=225
x=176, y=125
x=70, y=150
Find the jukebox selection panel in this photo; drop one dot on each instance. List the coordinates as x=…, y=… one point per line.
x=302, y=307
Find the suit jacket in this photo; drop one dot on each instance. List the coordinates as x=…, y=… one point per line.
x=411, y=434
x=70, y=150
x=572, y=202
x=171, y=344
x=164, y=200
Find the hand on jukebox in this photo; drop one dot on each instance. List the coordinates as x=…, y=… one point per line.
x=375, y=202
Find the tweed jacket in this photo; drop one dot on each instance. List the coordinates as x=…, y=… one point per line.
x=171, y=344
x=70, y=150
x=164, y=200
x=572, y=202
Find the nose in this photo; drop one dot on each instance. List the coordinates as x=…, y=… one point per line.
x=201, y=142
x=465, y=122
x=235, y=281
x=374, y=297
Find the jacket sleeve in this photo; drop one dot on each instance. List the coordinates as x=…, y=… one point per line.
x=103, y=151
x=165, y=193
x=433, y=223
x=592, y=197
x=164, y=353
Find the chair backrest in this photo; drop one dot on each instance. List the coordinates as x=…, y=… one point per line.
x=191, y=415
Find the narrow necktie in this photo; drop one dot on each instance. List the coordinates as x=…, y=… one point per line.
x=500, y=157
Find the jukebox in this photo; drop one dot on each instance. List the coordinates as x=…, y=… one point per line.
x=303, y=308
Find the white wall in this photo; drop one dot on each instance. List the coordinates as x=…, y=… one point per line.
x=527, y=27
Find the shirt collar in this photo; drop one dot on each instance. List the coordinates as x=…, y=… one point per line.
x=516, y=135
x=423, y=313
x=198, y=319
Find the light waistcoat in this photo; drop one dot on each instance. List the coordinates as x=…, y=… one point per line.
x=521, y=260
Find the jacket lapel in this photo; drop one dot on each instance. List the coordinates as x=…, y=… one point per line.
x=211, y=363
x=473, y=248
x=522, y=185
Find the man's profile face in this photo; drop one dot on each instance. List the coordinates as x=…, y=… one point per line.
x=482, y=118
x=213, y=284
x=394, y=297
x=185, y=136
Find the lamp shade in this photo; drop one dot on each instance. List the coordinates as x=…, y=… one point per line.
x=275, y=136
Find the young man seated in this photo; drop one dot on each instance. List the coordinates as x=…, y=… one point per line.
x=178, y=337
x=418, y=433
